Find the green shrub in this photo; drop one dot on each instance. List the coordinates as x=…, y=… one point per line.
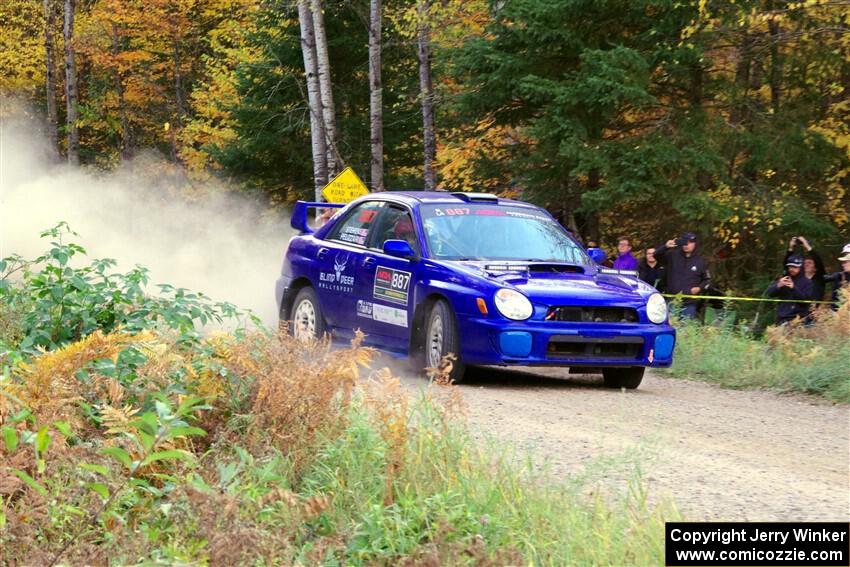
x=57, y=302
x=811, y=359
x=130, y=437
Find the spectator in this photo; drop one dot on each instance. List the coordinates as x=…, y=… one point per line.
x=650, y=271
x=686, y=271
x=840, y=280
x=793, y=285
x=592, y=243
x=625, y=260
x=813, y=267
x=326, y=215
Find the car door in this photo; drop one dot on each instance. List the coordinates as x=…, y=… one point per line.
x=340, y=256
x=385, y=283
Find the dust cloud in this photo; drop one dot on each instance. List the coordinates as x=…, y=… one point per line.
x=214, y=241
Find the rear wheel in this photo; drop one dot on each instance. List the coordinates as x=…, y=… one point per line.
x=441, y=339
x=307, y=320
x=628, y=378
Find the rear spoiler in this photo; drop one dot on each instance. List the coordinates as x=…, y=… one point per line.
x=299, y=214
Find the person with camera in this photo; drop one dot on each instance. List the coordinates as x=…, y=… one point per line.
x=792, y=285
x=686, y=271
x=813, y=267
x=840, y=280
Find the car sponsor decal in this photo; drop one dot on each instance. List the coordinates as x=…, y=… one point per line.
x=452, y=212
x=391, y=315
x=525, y=215
x=391, y=285
x=337, y=280
x=354, y=234
x=364, y=308
x=382, y=313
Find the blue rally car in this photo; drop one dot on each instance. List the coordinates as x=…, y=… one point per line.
x=491, y=280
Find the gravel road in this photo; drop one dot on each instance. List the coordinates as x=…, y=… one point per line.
x=719, y=454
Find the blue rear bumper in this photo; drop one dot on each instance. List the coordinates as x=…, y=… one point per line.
x=545, y=343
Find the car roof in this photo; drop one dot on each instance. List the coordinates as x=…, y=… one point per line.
x=415, y=198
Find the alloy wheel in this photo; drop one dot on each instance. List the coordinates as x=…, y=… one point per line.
x=304, y=321
x=435, y=342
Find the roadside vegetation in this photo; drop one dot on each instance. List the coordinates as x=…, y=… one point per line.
x=795, y=358
x=129, y=437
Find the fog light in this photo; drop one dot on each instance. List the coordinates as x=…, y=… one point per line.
x=664, y=346
x=515, y=343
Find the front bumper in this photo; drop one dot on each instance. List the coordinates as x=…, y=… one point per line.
x=546, y=343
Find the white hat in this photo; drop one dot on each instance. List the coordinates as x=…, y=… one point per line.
x=845, y=254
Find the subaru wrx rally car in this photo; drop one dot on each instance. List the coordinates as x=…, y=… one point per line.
x=493, y=281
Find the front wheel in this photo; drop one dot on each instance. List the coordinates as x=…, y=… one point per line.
x=628, y=378
x=441, y=339
x=307, y=320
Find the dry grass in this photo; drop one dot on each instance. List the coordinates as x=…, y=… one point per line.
x=389, y=408
x=310, y=458
x=300, y=390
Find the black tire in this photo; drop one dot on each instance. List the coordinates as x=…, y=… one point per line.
x=308, y=321
x=628, y=378
x=441, y=338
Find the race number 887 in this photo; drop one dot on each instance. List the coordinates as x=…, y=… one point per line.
x=452, y=212
x=400, y=281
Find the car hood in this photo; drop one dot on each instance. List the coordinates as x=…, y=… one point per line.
x=554, y=287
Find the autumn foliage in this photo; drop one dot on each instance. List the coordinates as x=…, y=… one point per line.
x=639, y=118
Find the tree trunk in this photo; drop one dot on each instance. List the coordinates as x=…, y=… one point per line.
x=71, y=85
x=119, y=89
x=376, y=111
x=317, y=130
x=179, y=97
x=323, y=68
x=743, y=77
x=592, y=220
x=427, y=93
x=775, y=76
x=50, y=68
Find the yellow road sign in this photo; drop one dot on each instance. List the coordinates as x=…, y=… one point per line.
x=345, y=187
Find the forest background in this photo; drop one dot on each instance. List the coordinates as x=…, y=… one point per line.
x=636, y=118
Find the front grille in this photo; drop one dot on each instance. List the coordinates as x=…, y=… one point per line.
x=592, y=314
x=586, y=348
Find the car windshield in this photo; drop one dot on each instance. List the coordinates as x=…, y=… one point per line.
x=483, y=231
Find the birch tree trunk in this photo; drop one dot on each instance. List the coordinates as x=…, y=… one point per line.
x=323, y=68
x=179, y=95
x=50, y=72
x=71, y=85
x=317, y=130
x=427, y=92
x=119, y=89
x=178, y=98
x=376, y=111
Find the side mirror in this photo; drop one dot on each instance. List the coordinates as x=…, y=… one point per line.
x=598, y=255
x=399, y=249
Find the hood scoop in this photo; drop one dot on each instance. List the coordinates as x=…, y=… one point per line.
x=555, y=269
x=532, y=269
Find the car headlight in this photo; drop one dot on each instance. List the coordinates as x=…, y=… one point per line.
x=656, y=308
x=512, y=304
